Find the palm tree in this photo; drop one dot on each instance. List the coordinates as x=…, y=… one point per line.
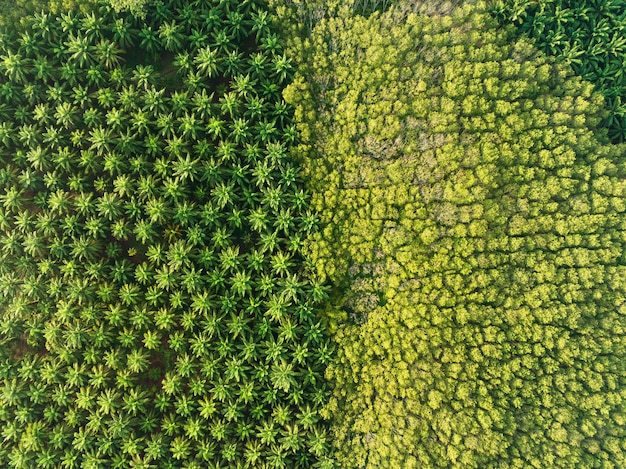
x=222, y=40
x=44, y=25
x=108, y=54
x=38, y=158
x=257, y=64
x=132, y=207
x=137, y=361
x=271, y=43
x=154, y=100
x=284, y=220
x=8, y=134
x=123, y=185
x=260, y=23
x=58, y=50
x=195, y=235
x=65, y=114
x=223, y=194
x=115, y=118
x=229, y=103
x=108, y=401
x=171, y=36
x=194, y=80
x=114, y=164
x=109, y=206
x=309, y=221
x=270, y=88
x=281, y=263
x=129, y=97
x=144, y=76
x=175, y=147
x=233, y=63
x=226, y=150
x=281, y=112
x=174, y=189
x=56, y=93
x=157, y=209
x=254, y=107
x=186, y=168
x=127, y=143
x=81, y=49
x=289, y=173
x=117, y=78
x=282, y=66
x=140, y=121
x=215, y=127
x=92, y=24
x=43, y=69
x=69, y=73
x=68, y=21
x=189, y=125
x=84, y=248
x=198, y=38
x=266, y=130
x=100, y=139
x=146, y=187
x=149, y=40
x=180, y=101
x=207, y=61
x=123, y=33
x=182, y=61
x=91, y=117
x=165, y=123
x=14, y=66
x=290, y=134
x=202, y=103
x=81, y=95
x=166, y=278
x=243, y=84
x=41, y=113
x=241, y=283
x=48, y=458
x=234, y=24
x=273, y=197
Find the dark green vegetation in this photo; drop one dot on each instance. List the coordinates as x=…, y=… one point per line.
x=589, y=35
x=473, y=226
x=154, y=308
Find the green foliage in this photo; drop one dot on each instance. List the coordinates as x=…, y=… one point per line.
x=155, y=308
x=136, y=7
x=472, y=223
x=590, y=36
x=16, y=14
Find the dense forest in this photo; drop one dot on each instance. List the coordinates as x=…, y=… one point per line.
x=312, y=234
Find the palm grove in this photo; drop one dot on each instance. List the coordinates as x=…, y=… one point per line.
x=421, y=267
x=155, y=312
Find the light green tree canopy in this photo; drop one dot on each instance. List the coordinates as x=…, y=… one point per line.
x=473, y=225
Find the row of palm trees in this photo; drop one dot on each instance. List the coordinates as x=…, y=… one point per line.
x=155, y=311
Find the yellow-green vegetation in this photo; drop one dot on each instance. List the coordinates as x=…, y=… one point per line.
x=473, y=226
